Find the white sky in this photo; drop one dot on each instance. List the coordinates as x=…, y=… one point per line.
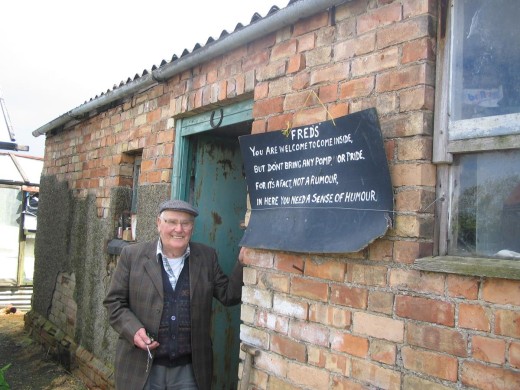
x=57, y=54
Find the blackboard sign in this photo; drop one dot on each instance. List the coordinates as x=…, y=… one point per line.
x=321, y=188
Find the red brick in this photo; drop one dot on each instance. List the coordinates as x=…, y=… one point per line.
x=258, y=126
x=462, y=286
x=275, y=281
x=286, y=305
x=410, y=76
x=338, y=110
x=378, y=326
x=383, y=351
x=309, y=289
x=258, y=258
x=417, y=281
x=307, y=376
x=489, y=378
x=349, y=296
x=507, y=323
x=328, y=93
x=381, y=250
x=267, y=107
x=296, y=63
x=414, y=226
x=514, y=354
x=413, y=199
x=356, y=88
x=381, y=302
x=408, y=251
x=408, y=174
x=419, y=98
x=291, y=263
x=424, y=309
x=436, y=339
x=306, y=42
x=313, y=333
x=334, y=362
x=414, y=148
x=343, y=383
x=261, y=91
x=327, y=269
x=375, y=62
x=421, y=49
x=430, y=363
x=408, y=124
x=334, y=73
x=310, y=24
x=367, y=275
x=283, y=49
x=474, y=317
x=313, y=115
x=378, y=18
x=255, y=60
x=301, y=81
x=348, y=343
x=295, y=101
x=355, y=47
x=375, y=375
x=488, y=349
x=288, y=348
x=273, y=70
x=501, y=291
x=422, y=26
x=330, y=315
x=279, y=122
x=272, y=363
x=418, y=7
x=272, y=321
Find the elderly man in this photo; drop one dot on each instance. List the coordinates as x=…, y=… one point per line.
x=160, y=303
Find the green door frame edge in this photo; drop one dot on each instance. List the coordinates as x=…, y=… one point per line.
x=207, y=121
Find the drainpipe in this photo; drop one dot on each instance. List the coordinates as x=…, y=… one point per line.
x=271, y=23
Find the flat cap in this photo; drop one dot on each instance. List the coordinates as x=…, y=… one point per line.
x=178, y=205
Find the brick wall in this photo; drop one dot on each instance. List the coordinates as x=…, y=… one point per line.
x=353, y=321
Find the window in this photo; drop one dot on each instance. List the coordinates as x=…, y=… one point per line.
x=485, y=82
x=480, y=108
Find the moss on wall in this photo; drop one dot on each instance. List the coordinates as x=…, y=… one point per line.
x=72, y=238
x=147, y=205
x=52, y=241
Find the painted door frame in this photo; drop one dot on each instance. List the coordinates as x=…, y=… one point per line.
x=207, y=121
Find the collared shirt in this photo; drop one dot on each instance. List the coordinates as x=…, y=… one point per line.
x=172, y=266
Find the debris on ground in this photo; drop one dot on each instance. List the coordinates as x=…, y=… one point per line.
x=29, y=366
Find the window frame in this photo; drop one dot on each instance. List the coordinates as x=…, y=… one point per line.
x=444, y=150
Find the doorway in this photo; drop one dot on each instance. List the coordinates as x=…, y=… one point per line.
x=212, y=178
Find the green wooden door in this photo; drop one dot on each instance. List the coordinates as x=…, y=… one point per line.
x=220, y=194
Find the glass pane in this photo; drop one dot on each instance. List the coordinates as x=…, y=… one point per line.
x=486, y=205
x=10, y=212
x=485, y=58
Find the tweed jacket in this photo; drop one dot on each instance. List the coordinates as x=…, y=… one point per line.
x=135, y=300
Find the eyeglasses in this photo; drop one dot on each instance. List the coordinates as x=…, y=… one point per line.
x=173, y=223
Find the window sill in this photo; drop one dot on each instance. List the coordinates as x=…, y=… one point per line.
x=470, y=266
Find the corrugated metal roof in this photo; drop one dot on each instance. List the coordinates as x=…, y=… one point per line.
x=19, y=169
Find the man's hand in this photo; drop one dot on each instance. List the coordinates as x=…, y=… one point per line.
x=141, y=340
x=241, y=255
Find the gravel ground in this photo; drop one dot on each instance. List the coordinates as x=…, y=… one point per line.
x=31, y=368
